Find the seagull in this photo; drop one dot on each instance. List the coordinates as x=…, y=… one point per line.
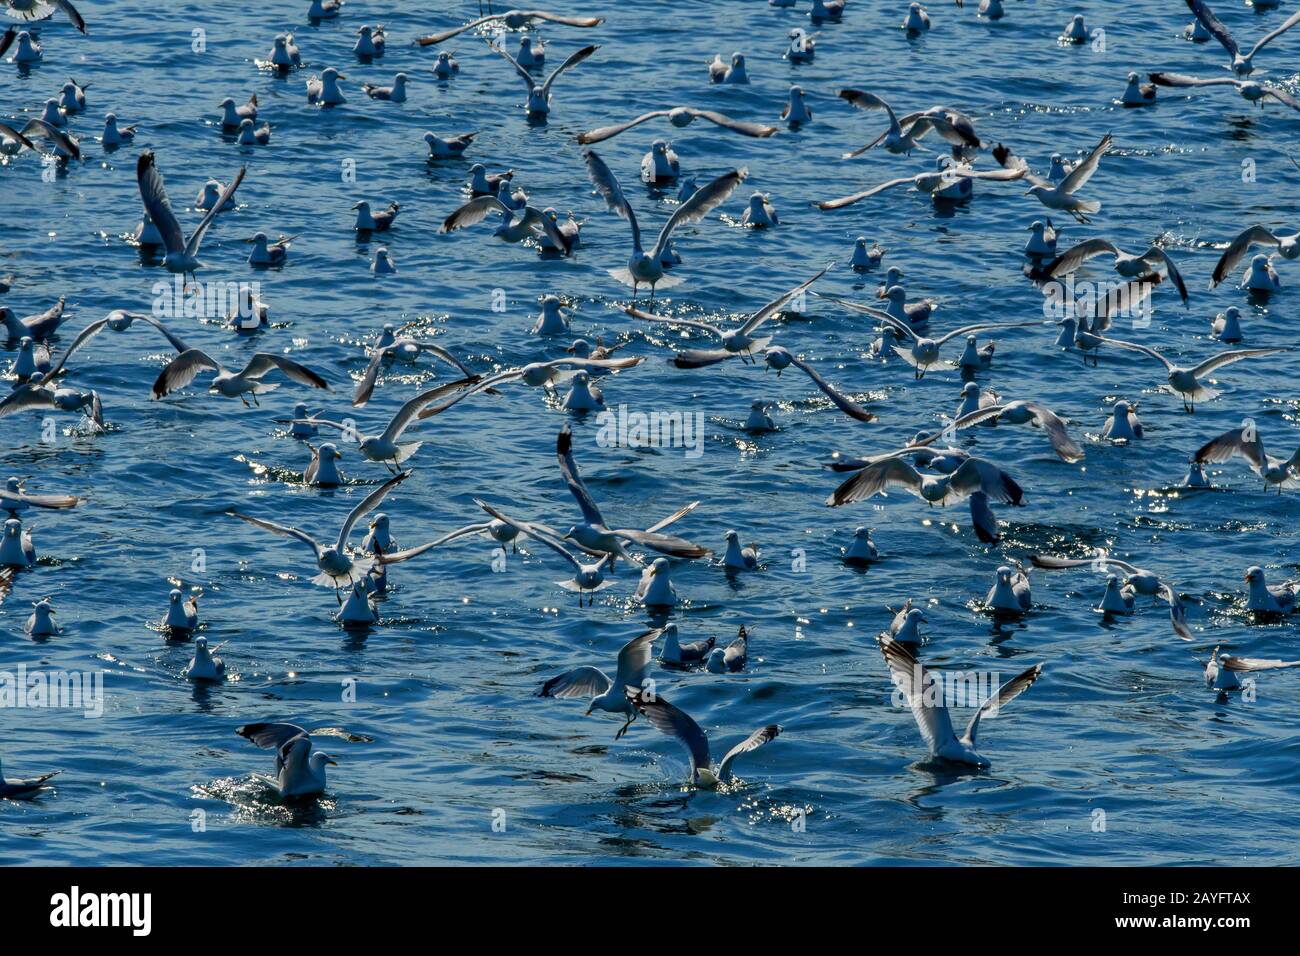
x=676, y=723
x=1137, y=93
x=596, y=537
x=863, y=550
x=954, y=127
x=1061, y=194
x=42, y=10
x=1222, y=669
x=738, y=342
x=115, y=135
x=324, y=9
x=183, y=369
x=905, y=628
x=675, y=652
x=511, y=20
x=720, y=72
x=1287, y=245
x=381, y=221
x=732, y=658
x=1249, y=444
x=924, y=351
x=14, y=498
x=446, y=66
x=440, y=148
x=1010, y=591
x=946, y=175
x=1042, y=243
x=655, y=589
x=12, y=141
x=1241, y=65
x=1144, y=582
x=403, y=349
x=611, y=696
x=182, y=615
x=643, y=267
x=266, y=253
x=325, y=88
x=1020, y=413
x=588, y=578
x=338, y=569
x=803, y=46
x=384, y=448
x=1268, y=598
x=680, y=117
x=299, y=769
x=232, y=116
x=797, y=112
x=182, y=255
x=831, y=10
x=516, y=224
x=36, y=393
x=864, y=259
x=394, y=94
x=370, y=41
x=1123, y=424
x=41, y=623
x=974, y=475
x=760, y=214
x=203, y=666
x=738, y=558
x=1251, y=90
x=1142, y=266
x=539, y=94
x=1184, y=382
x=321, y=471
x=919, y=686
x=917, y=20
x=24, y=789
x=16, y=548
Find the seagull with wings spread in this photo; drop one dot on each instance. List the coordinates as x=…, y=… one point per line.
x=919, y=687
x=678, y=724
x=1144, y=266
x=511, y=20
x=1222, y=669
x=338, y=568
x=1185, y=382
x=612, y=696
x=18, y=788
x=29, y=10
x=182, y=254
x=937, y=183
x=1242, y=64
x=183, y=369
x=1247, y=443
x=955, y=128
x=1144, y=582
x=539, y=94
x=587, y=578
x=1286, y=244
x=1252, y=91
x=645, y=267
x=740, y=341
x=299, y=768
x=680, y=117
x=1060, y=195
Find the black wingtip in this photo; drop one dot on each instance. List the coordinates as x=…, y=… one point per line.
x=564, y=441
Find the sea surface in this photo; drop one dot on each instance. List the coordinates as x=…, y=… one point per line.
x=1118, y=755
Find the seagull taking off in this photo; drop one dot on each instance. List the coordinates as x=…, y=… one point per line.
x=182, y=255
x=299, y=769
x=613, y=696
x=680, y=117
x=511, y=20
x=676, y=723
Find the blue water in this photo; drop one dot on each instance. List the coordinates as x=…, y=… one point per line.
x=1120, y=721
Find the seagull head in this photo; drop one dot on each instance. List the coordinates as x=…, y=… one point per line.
x=174, y=596
x=13, y=528
x=1253, y=573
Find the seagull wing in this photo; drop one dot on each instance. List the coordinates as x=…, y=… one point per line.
x=279, y=529
x=634, y=659
x=1009, y=160
x=59, y=138
x=983, y=327
x=757, y=130
x=263, y=362
x=673, y=518
x=607, y=185
x=181, y=370
x=1083, y=172
x=757, y=319
x=609, y=132
x=395, y=557
x=1282, y=96
x=912, y=679
x=1157, y=256
x=650, y=317
x=11, y=133
x=436, y=38
x=671, y=721
x=875, y=478
x=527, y=77
x=564, y=20
x=1177, y=614
x=533, y=531
x=1005, y=695
x=1078, y=254
x=976, y=474
x=196, y=237
x=1269, y=37
x=367, y=504
x=846, y=405
x=1202, y=12
x=1145, y=350
x=885, y=317
x=669, y=544
x=412, y=407
x=85, y=335
x=271, y=736
x=700, y=358
x=585, y=682
x=1232, y=443
x=171, y=337
x=1227, y=358
x=752, y=742
x=703, y=201
x=24, y=397
x=1254, y=663
x=573, y=60
x=1182, y=79
x=71, y=13
x=867, y=193
x=366, y=387
x=1064, y=446
x=474, y=211
x=569, y=472
x=154, y=196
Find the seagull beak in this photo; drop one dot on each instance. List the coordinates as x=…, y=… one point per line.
x=331, y=760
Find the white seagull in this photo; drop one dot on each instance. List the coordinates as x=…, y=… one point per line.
x=603, y=693
x=299, y=769
x=676, y=723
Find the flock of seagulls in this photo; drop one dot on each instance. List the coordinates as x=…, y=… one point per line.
x=931, y=466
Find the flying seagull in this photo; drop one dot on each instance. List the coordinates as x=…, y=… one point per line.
x=511, y=20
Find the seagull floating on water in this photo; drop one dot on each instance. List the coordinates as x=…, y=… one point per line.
x=299, y=768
